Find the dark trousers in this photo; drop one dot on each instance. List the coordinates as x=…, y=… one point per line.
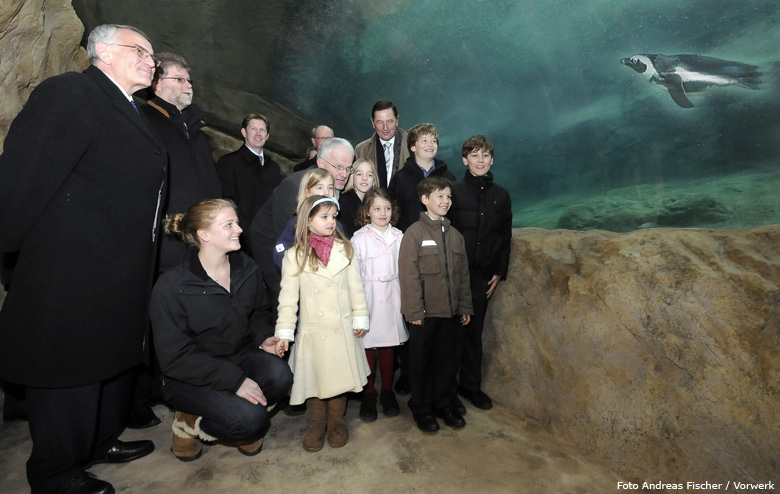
x=470, y=347
x=432, y=364
x=226, y=415
x=72, y=426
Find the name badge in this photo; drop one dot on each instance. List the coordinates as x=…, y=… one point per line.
x=428, y=243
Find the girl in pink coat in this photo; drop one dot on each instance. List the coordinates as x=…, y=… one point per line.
x=376, y=247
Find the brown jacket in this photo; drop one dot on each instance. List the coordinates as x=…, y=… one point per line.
x=433, y=271
x=371, y=150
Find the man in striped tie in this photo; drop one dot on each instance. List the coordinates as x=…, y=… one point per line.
x=387, y=147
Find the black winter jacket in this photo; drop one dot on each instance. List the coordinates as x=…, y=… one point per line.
x=403, y=185
x=202, y=332
x=482, y=213
x=192, y=173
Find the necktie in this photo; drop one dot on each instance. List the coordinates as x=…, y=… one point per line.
x=260, y=158
x=134, y=106
x=388, y=160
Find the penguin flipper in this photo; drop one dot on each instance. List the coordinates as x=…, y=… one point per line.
x=674, y=84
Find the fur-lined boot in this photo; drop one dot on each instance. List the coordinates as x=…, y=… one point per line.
x=187, y=435
x=337, y=424
x=250, y=447
x=314, y=438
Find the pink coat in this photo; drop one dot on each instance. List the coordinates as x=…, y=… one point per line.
x=379, y=269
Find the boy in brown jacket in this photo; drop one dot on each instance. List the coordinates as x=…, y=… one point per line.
x=435, y=288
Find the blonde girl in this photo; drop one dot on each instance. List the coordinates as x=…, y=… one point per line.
x=322, y=285
x=315, y=181
x=363, y=179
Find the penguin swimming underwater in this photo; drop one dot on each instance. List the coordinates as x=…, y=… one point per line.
x=682, y=74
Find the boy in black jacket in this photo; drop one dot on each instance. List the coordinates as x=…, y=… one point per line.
x=482, y=212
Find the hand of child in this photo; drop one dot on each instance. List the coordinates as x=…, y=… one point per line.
x=418, y=322
x=493, y=283
x=269, y=345
x=359, y=333
x=465, y=319
x=282, y=346
x=251, y=392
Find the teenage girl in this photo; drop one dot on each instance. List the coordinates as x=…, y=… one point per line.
x=376, y=247
x=321, y=281
x=362, y=180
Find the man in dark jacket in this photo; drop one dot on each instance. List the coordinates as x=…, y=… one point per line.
x=319, y=134
x=248, y=175
x=192, y=173
x=81, y=183
x=192, y=177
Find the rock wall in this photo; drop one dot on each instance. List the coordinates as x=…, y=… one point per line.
x=38, y=39
x=654, y=351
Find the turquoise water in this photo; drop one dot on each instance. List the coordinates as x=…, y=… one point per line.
x=582, y=141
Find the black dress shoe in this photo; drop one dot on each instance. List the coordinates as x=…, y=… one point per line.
x=477, y=398
x=86, y=483
x=368, y=407
x=426, y=422
x=389, y=404
x=458, y=405
x=402, y=385
x=143, y=419
x=451, y=417
x=122, y=452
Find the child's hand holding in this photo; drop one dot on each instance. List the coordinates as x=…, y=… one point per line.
x=282, y=346
x=359, y=333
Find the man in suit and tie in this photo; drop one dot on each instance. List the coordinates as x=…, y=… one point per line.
x=387, y=147
x=248, y=175
x=82, y=180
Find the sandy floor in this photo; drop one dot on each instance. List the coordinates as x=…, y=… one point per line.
x=495, y=452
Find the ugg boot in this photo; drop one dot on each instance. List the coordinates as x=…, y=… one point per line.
x=337, y=424
x=314, y=438
x=250, y=447
x=187, y=435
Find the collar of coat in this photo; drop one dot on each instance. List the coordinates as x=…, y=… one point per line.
x=338, y=262
x=484, y=181
x=240, y=269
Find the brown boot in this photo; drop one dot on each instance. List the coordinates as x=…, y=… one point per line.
x=187, y=436
x=337, y=424
x=250, y=447
x=314, y=438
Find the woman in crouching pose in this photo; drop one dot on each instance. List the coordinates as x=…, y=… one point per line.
x=213, y=338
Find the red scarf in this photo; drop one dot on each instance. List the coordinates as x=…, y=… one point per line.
x=322, y=246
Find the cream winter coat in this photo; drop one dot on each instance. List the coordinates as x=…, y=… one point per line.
x=326, y=359
x=378, y=259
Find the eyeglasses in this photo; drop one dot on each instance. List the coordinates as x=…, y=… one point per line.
x=179, y=80
x=142, y=52
x=322, y=138
x=338, y=168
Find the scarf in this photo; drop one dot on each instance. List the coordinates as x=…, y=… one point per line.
x=322, y=247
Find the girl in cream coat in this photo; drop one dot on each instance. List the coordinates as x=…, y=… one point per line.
x=320, y=276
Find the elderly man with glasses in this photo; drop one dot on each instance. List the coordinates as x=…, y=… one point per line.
x=319, y=134
x=82, y=178
x=335, y=156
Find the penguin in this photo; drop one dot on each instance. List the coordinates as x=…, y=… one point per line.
x=682, y=74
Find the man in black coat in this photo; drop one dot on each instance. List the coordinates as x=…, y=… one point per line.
x=192, y=174
x=248, y=175
x=192, y=177
x=82, y=179
x=318, y=135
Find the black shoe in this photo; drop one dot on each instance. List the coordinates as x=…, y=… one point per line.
x=477, y=398
x=86, y=483
x=368, y=407
x=402, y=385
x=143, y=419
x=389, y=403
x=458, y=405
x=451, y=417
x=426, y=422
x=122, y=452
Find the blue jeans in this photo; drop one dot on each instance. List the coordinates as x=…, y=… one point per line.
x=226, y=415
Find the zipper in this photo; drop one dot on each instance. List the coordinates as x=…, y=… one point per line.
x=446, y=268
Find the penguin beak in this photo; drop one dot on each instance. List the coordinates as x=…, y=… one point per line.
x=634, y=64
